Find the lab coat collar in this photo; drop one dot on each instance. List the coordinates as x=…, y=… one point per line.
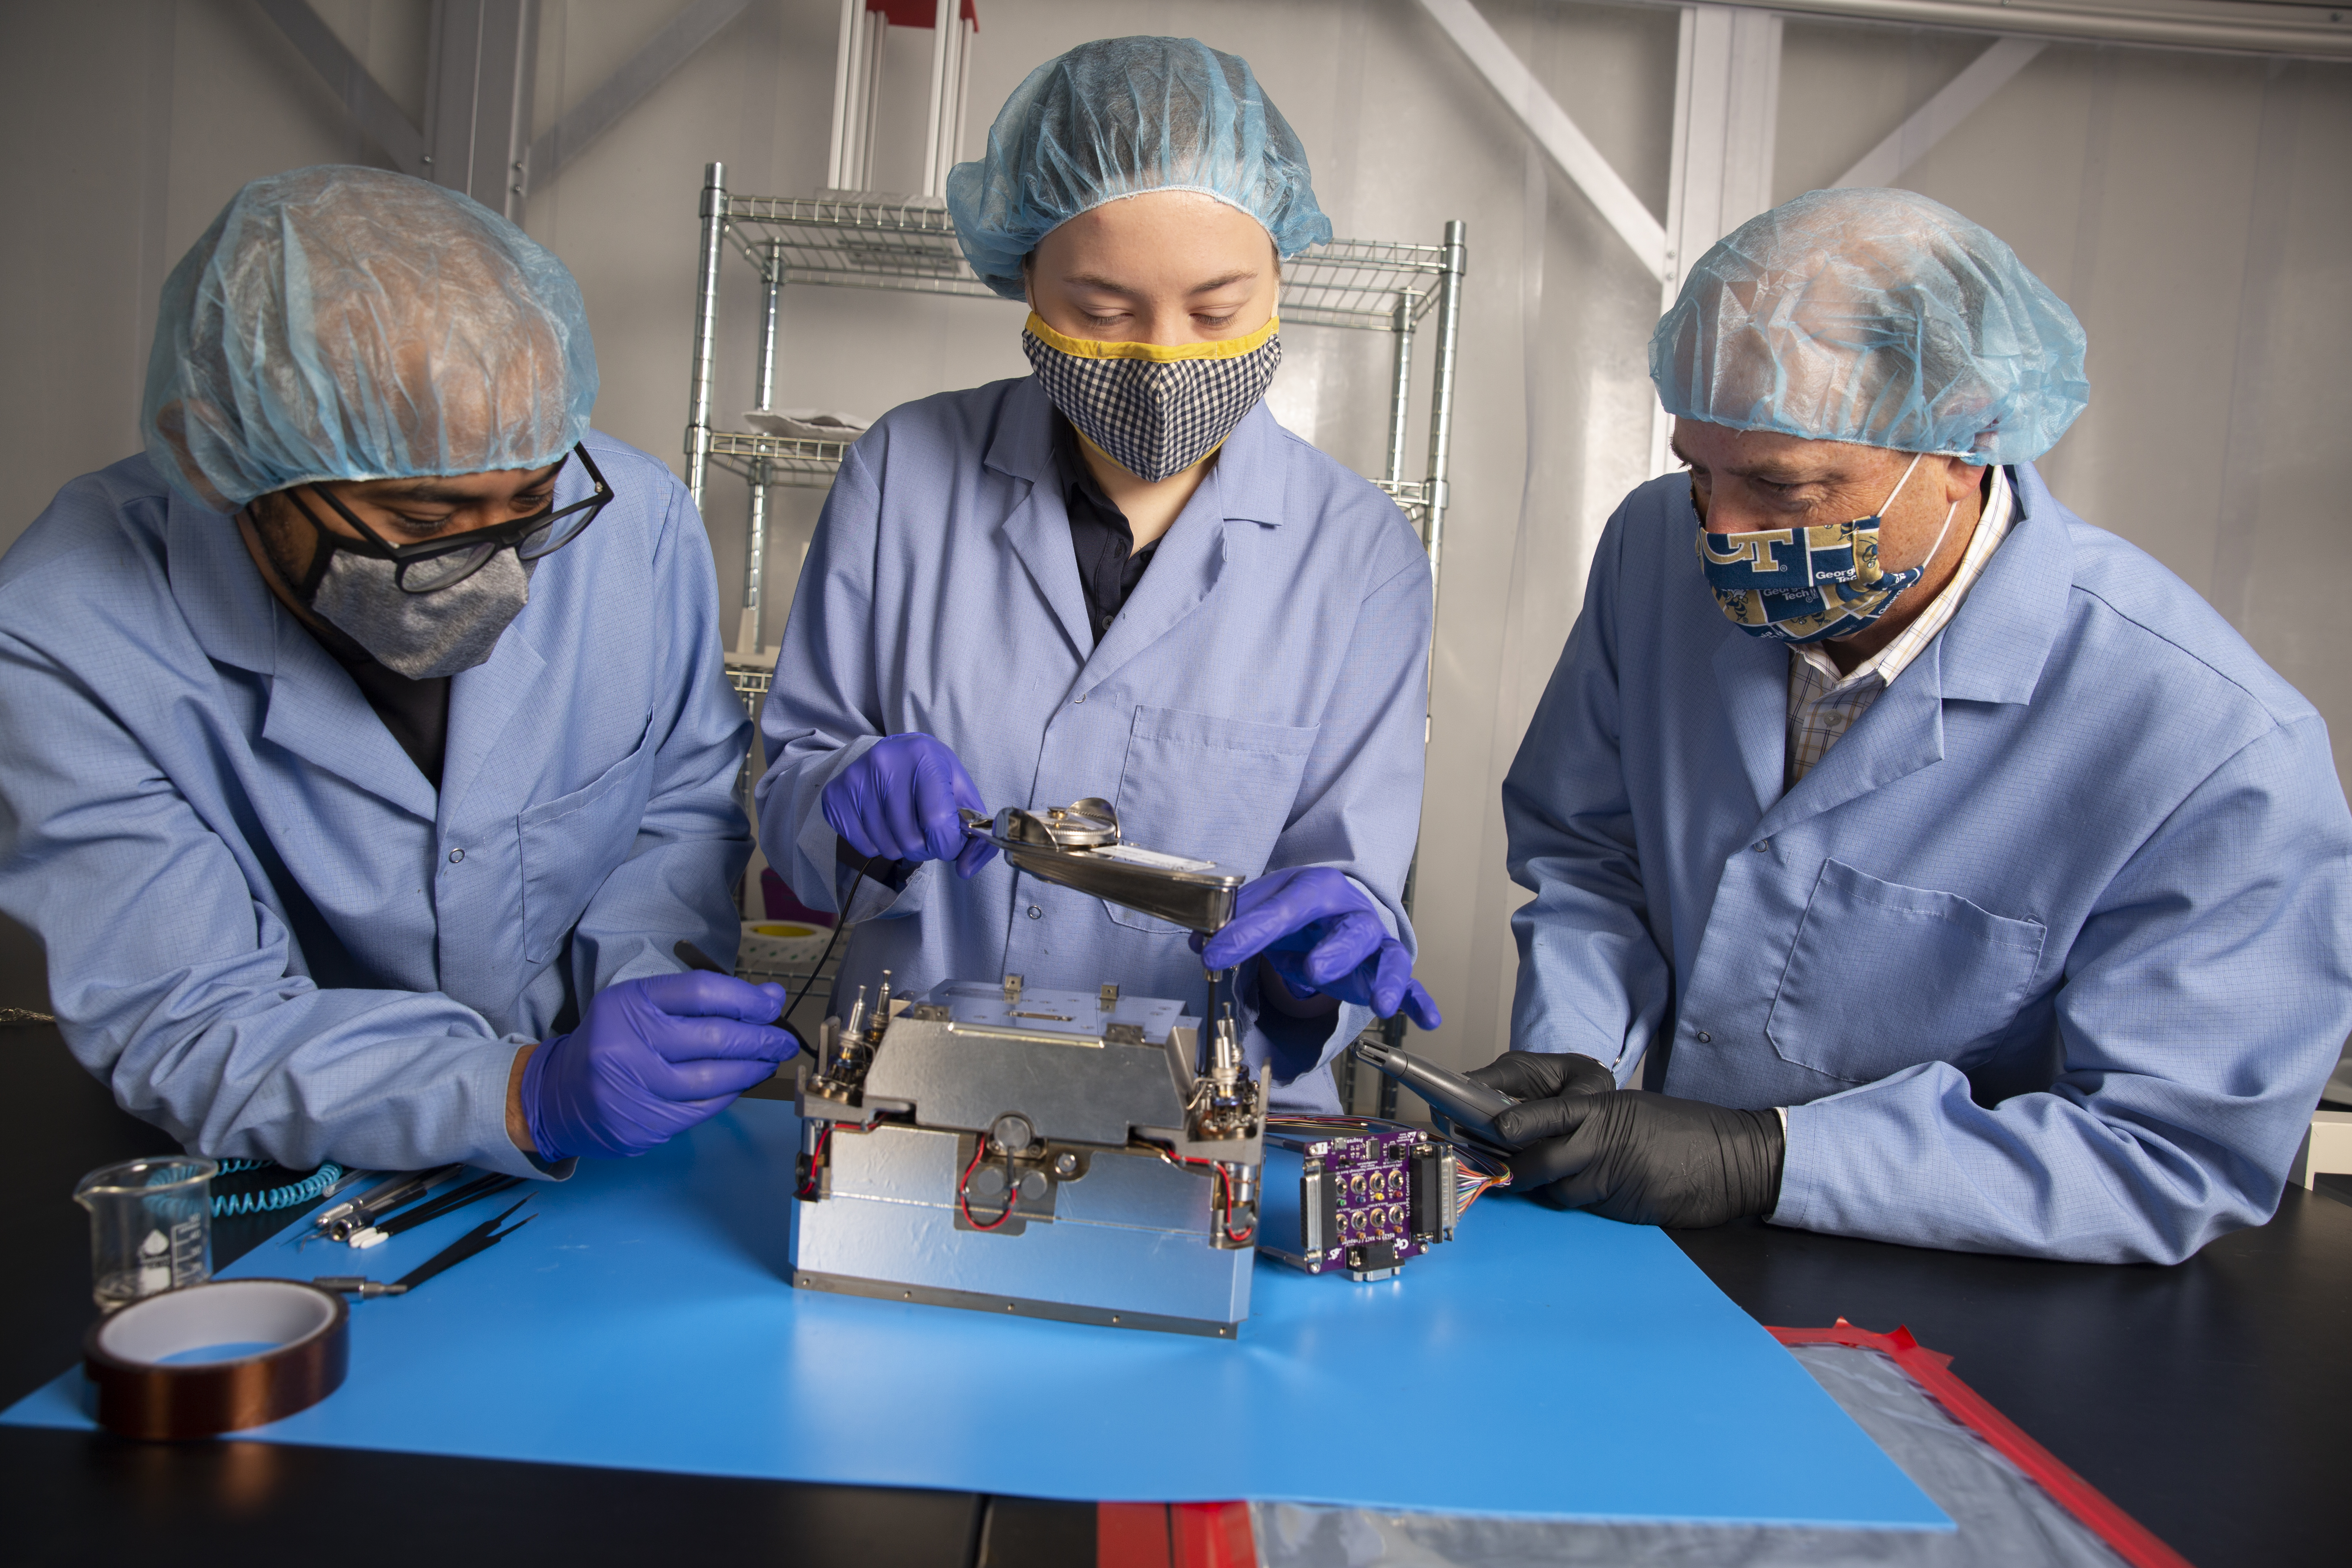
x=1992, y=652
x=482, y=704
x=315, y=709
x=1244, y=484
x=1183, y=573
x=1996, y=645
x=1751, y=676
x=1902, y=733
x=221, y=595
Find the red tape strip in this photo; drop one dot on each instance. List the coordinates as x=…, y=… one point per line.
x=1173, y=1535
x=1931, y=1371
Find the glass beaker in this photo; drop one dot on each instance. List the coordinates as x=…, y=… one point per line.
x=150, y=1226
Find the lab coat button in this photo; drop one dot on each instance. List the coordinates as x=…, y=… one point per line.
x=1081, y=697
x=1763, y=847
x=1703, y=1037
x=1036, y=913
x=456, y=855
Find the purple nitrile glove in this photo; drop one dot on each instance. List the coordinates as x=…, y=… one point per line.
x=1322, y=932
x=899, y=801
x=650, y=1059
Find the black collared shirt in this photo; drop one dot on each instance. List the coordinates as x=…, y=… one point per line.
x=1109, y=566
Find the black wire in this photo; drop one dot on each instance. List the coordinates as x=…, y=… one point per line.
x=794, y=1005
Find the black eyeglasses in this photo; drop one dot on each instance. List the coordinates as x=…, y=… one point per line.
x=432, y=564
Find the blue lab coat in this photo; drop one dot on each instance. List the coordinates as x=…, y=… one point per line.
x=1259, y=701
x=267, y=932
x=2046, y=956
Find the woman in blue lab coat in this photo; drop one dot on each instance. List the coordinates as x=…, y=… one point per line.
x=364, y=747
x=1117, y=577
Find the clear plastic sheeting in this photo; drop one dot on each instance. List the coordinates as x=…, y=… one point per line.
x=347, y=323
x=1877, y=317
x=1120, y=117
x=2005, y=1519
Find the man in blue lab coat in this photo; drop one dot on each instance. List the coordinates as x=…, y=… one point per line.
x=364, y=746
x=1963, y=878
x=1118, y=577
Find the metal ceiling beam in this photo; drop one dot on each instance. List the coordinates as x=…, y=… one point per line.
x=623, y=90
x=1554, y=131
x=2228, y=27
x=1726, y=126
x=371, y=108
x=485, y=59
x=1934, y=120
x=1726, y=122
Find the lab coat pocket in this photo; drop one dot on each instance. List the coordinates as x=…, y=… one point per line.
x=1883, y=976
x=1215, y=789
x=571, y=843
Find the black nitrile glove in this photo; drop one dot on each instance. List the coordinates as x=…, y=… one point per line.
x=1543, y=1075
x=1644, y=1158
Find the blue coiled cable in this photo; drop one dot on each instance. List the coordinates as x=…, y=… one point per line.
x=291, y=1195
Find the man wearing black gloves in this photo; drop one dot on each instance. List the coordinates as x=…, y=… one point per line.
x=1645, y=1159
x=1961, y=875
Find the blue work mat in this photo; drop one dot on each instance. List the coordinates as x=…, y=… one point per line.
x=1543, y=1365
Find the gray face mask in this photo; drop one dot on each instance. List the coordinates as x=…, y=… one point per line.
x=422, y=636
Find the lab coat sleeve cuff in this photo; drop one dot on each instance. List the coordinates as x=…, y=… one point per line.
x=863, y=898
x=486, y=1143
x=813, y=835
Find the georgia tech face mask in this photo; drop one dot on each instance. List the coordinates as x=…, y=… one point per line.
x=1809, y=584
x=1156, y=408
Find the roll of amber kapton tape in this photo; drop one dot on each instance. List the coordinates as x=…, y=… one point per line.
x=299, y=1340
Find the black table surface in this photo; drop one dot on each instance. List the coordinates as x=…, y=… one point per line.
x=2206, y=1399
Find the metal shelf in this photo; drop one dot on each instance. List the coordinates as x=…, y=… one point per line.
x=856, y=240
x=788, y=462
x=749, y=680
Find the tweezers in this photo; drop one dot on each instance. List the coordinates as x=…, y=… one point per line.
x=482, y=1238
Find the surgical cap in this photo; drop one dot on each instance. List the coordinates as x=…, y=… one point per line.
x=1876, y=317
x=350, y=324
x=1119, y=117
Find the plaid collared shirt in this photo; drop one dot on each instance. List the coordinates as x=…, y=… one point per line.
x=1823, y=704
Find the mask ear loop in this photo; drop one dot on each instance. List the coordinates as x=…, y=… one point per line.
x=1949, y=512
x=1880, y=514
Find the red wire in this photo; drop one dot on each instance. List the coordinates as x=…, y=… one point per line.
x=1240, y=1237
x=963, y=1189
x=816, y=1160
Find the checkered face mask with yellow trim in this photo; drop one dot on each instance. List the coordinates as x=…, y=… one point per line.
x=1156, y=408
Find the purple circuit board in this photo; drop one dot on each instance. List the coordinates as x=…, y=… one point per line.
x=1365, y=1201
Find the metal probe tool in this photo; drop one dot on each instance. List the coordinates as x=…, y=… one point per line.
x=1471, y=1107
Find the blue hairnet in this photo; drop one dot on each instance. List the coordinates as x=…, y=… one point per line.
x=350, y=324
x=1119, y=117
x=1876, y=317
